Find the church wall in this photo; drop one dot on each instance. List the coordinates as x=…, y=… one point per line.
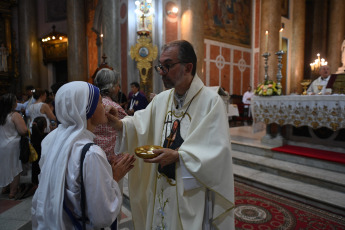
x=171, y=25
x=124, y=44
x=228, y=66
x=231, y=66
x=92, y=48
x=256, y=43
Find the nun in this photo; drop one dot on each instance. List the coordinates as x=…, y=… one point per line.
x=78, y=187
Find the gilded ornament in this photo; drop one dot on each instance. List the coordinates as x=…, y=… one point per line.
x=334, y=126
x=315, y=124
x=144, y=53
x=297, y=123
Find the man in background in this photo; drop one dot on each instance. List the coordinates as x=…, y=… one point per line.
x=247, y=99
x=137, y=100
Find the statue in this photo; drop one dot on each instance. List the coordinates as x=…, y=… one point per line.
x=3, y=54
x=341, y=70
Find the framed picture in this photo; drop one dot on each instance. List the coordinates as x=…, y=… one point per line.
x=55, y=10
x=228, y=21
x=285, y=8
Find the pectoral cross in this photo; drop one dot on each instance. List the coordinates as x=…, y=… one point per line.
x=168, y=120
x=170, y=139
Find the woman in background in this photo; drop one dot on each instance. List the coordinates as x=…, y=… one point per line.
x=12, y=126
x=107, y=81
x=40, y=108
x=39, y=124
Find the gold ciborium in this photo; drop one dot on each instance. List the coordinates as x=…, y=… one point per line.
x=305, y=83
x=319, y=87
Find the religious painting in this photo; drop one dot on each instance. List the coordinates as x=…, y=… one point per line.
x=285, y=8
x=56, y=10
x=228, y=21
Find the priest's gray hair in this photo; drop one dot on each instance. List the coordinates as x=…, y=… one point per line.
x=105, y=80
x=186, y=52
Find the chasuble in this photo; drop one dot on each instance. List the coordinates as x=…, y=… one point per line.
x=196, y=191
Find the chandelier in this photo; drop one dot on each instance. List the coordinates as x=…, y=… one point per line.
x=54, y=46
x=315, y=66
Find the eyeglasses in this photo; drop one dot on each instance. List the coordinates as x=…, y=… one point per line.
x=165, y=68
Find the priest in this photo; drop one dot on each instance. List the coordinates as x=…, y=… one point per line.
x=325, y=74
x=189, y=185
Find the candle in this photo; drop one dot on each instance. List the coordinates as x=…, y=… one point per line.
x=319, y=62
x=280, y=38
x=101, y=44
x=266, y=34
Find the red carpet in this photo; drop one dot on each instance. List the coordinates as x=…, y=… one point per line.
x=312, y=153
x=258, y=209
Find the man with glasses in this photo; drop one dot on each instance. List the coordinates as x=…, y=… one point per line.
x=190, y=184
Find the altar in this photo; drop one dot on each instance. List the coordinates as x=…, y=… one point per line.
x=311, y=112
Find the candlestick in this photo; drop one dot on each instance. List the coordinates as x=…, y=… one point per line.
x=266, y=41
x=279, y=72
x=266, y=55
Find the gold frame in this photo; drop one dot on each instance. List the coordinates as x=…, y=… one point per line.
x=144, y=63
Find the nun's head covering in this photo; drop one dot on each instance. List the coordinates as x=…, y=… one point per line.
x=75, y=102
x=73, y=99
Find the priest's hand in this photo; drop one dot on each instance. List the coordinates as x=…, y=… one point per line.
x=121, y=166
x=113, y=120
x=165, y=157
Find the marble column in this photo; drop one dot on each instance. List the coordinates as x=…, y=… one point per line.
x=319, y=29
x=297, y=45
x=28, y=43
x=111, y=33
x=8, y=39
x=335, y=37
x=271, y=22
x=192, y=30
x=77, y=47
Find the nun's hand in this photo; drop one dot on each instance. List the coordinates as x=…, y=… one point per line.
x=123, y=166
x=113, y=119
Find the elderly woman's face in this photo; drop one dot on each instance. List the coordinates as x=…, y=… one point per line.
x=98, y=116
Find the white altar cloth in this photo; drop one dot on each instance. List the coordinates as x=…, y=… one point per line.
x=315, y=111
x=233, y=110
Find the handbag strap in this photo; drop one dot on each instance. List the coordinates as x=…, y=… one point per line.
x=83, y=195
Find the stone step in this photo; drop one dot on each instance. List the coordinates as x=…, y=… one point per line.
x=311, y=175
x=266, y=151
x=314, y=195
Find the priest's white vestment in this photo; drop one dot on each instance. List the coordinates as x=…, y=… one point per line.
x=159, y=203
